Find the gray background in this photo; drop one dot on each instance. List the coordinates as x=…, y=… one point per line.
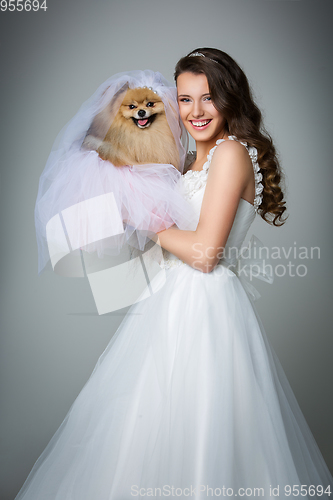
x=51, y=62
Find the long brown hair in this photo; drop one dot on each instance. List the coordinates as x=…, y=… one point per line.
x=232, y=96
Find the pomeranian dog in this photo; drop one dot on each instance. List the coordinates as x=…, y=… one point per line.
x=139, y=133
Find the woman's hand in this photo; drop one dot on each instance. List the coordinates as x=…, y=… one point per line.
x=156, y=239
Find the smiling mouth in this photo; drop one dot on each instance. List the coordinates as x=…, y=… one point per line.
x=144, y=122
x=200, y=124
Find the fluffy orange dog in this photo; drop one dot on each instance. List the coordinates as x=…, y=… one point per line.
x=138, y=134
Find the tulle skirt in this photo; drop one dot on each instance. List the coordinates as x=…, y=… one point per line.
x=187, y=400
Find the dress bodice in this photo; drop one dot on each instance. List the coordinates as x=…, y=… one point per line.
x=193, y=185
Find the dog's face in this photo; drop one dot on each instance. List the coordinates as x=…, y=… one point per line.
x=141, y=107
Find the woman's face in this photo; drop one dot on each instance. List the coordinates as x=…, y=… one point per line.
x=197, y=111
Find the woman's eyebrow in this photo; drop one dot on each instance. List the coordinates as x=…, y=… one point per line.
x=187, y=95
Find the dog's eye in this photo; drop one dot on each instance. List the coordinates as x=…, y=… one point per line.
x=150, y=104
x=131, y=106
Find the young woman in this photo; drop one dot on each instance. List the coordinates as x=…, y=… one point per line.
x=189, y=400
x=247, y=429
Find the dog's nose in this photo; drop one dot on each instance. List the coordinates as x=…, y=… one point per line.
x=141, y=113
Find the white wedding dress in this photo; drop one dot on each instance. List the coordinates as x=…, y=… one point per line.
x=187, y=400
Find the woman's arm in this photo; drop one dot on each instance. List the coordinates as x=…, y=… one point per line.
x=229, y=174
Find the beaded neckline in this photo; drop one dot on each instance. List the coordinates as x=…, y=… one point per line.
x=200, y=175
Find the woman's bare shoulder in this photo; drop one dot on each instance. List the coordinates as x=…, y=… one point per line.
x=232, y=153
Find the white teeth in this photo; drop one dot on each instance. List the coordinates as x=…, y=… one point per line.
x=200, y=124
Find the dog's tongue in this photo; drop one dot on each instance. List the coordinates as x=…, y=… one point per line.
x=143, y=122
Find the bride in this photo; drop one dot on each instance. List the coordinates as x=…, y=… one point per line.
x=189, y=399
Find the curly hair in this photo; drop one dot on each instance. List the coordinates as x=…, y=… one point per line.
x=232, y=96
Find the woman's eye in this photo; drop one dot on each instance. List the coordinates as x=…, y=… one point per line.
x=208, y=98
x=150, y=104
x=131, y=106
x=184, y=99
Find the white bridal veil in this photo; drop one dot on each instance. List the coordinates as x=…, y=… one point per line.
x=82, y=200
